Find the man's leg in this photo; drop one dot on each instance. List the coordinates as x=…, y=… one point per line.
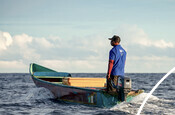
x=121, y=88
x=115, y=81
x=110, y=88
x=109, y=85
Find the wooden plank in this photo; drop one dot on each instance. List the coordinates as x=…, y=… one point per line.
x=49, y=77
x=85, y=82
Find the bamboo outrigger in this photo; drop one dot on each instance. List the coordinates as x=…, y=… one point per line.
x=87, y=91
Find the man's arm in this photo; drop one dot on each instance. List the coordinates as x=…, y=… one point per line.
x=110, y=66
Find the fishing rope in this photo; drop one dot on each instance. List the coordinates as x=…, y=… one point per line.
x=150, y=93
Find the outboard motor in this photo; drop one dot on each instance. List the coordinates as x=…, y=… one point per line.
x=127, y=86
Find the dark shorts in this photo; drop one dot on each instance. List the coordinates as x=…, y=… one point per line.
x=116, y=87
x=110, y=88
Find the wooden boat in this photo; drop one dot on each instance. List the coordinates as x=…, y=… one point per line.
x=87, y=91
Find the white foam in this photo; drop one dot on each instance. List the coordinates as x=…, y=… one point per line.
x=121, y=107
x=154, y=105
x=132, y=106
x=139, y=99
x=153, y=89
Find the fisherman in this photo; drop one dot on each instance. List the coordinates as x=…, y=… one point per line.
x=115, y=74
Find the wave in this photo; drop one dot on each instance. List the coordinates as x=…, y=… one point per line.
x=36, y=94
x=154, y=105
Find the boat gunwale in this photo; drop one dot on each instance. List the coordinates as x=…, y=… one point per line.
x=61, y=85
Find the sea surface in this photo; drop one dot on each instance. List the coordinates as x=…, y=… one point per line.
x=19, y=95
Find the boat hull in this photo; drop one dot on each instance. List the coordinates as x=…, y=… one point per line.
x=72, y=94
x=78, y=95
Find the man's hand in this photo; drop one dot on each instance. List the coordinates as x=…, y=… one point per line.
x=108, y=76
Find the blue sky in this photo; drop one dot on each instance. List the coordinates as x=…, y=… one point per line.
x=72, y=35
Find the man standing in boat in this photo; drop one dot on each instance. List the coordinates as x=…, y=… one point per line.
x=115, y=74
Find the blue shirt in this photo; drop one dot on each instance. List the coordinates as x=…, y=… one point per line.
x=118, y=54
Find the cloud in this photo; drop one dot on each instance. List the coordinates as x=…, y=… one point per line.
x=163, y=44
x=84, y=54
x=13, y=66
x=75, y=65
x=135, y=35
x=5, y=40
x=23, y=47
x=43, y=43
x=77, y=55
x=23, y=39
x=159, y=43
x=150, y=58
x=152, y=64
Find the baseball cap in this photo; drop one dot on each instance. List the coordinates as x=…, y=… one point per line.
x=115, y=38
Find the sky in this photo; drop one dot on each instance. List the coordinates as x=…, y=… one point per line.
x=72, y=35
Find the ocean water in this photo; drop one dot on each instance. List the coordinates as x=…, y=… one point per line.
x=19, y=95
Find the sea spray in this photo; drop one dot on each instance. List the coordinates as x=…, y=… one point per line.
x=141, y=107
x=132, y=106
x=139, y=99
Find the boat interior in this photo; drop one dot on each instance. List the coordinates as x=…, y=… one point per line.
x=77, y=82
x=90, y=83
